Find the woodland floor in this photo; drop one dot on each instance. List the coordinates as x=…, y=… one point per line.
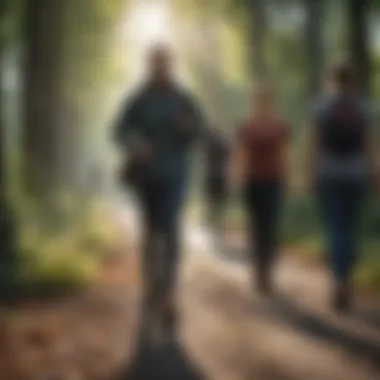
x=227, y=332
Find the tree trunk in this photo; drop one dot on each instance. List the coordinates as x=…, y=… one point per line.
x=314, y=41
x=212, y=71
x=42, y=146
x=7, y=255
x=257, y=33
x=359, y=42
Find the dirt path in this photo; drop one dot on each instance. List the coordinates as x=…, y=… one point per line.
x=226, y=332
x=90, y=336
x=229, y=333
x=307, y=287
x=233, y=336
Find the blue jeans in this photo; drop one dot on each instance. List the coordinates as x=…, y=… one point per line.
x=341, y=202
x=161, y=202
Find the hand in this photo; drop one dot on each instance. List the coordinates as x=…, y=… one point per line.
x=142, y=152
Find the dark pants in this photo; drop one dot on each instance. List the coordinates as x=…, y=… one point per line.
x=341, y=202
x=161, y=201
x=216, y=193
x=263, y=202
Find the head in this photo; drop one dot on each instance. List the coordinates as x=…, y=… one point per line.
x=160, y=63
x=263, y=99
x=342, y=77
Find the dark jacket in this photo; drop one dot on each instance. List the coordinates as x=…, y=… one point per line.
x=155, y=115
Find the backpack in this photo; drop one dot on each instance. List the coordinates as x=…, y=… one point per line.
x=343, y=128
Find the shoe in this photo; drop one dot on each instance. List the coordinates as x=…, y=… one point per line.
x=169, y=320
x=342, y=299
x=150, y=327
x=264, y=283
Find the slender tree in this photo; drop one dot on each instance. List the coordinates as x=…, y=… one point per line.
x=358, y=37
x=257, y=32
x=42, y=146
x=314, y=43
x=93, y=70
x=206, y=56
x=6, y=225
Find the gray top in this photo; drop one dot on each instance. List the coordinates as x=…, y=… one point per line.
x=154, y=115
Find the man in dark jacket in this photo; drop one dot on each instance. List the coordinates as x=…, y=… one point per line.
x=158, y=127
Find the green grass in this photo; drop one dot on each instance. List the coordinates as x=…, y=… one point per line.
x=66, y=257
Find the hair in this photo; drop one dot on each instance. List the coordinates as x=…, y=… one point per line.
x=342, y=74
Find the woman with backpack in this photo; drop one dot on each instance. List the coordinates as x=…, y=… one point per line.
x=341, y=168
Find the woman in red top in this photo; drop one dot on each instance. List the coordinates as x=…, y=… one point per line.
x=262, y=159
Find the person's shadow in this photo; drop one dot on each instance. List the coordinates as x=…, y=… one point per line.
x=167, y=361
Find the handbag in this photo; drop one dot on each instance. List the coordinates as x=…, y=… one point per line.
x=132, y=172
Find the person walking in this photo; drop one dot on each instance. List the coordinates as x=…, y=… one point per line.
x=261, y=164
x=341, y=165
x=158, y=127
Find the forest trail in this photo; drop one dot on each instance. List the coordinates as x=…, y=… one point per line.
x=227, y=332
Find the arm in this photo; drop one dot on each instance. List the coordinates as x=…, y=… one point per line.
x=286, y=153
x=313, y=146
x=192, y=123
x=373, y=157
x=238, y=163
x=126, y=132
x=312, y=155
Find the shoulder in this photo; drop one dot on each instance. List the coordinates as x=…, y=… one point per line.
x=135, y=97
x=186, y=96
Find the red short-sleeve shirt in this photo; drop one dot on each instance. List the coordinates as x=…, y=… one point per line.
x=264, y=142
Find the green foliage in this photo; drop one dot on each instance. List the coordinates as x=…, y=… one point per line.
x=368, y=274
x=300, y=219
x=66, y=243
x=371, y=220
x=68, y=256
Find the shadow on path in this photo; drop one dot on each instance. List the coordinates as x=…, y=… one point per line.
x=282, y=310
x=168, y=361
x=370, y=316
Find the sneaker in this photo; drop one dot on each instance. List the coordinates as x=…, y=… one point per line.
x=264, y=283
x=169, y=319
x=342, y=299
